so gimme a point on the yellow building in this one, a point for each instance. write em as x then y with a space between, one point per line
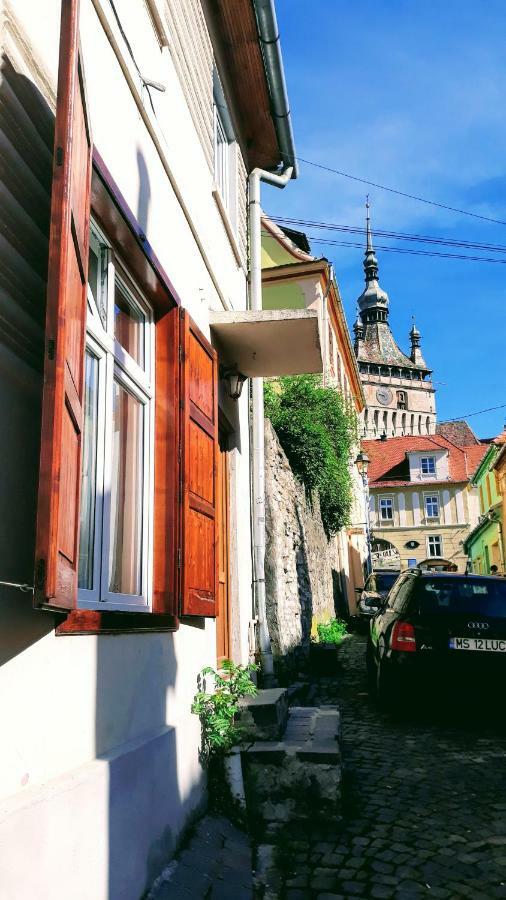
422 504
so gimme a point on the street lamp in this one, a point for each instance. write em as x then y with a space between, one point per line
362 463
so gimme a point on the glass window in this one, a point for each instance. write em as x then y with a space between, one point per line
221 158
386 580
432 506
469 595
117 457
435 545
386 506
125 546
428 464
129 322
89 473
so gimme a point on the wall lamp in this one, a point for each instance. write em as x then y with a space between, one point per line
234 379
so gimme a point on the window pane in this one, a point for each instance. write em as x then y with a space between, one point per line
88 474
128 325
93 274
126 493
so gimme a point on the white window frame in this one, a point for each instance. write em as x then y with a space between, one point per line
386 503
431 538
428 501
115 363
431 461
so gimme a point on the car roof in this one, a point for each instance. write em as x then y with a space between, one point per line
459 575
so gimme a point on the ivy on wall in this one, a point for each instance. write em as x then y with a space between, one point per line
317 429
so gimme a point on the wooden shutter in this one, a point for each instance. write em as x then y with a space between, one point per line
166 539
199 463
57 540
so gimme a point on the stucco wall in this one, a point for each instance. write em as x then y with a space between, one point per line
99 764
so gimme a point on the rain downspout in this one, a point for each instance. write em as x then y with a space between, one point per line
273 64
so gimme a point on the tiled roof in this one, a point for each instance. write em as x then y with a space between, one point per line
390 466
378 346
458 433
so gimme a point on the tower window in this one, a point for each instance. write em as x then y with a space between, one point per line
401 399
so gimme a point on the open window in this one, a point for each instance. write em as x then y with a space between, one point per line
126 525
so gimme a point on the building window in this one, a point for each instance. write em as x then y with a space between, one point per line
117 458
386 508
224 150
432 506
401 399
428 465
435 545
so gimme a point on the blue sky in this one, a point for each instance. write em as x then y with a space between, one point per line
409 95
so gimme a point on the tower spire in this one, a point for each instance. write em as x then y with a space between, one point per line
368 225
370 261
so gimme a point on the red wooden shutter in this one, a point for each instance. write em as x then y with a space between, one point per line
199 463
166 463
57 541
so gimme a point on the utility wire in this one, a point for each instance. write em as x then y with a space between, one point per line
398 235
390 190
430 253
478 413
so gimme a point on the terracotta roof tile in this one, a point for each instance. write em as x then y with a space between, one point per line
389 461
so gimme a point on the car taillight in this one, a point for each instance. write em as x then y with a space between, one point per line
403 637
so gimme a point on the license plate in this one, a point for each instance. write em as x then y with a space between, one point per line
488 644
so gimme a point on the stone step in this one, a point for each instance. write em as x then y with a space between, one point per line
296 780
312 733
264 716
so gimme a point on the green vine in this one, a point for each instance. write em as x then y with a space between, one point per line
217 709
317 429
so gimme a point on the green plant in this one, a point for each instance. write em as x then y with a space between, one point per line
317 428
217 709
332 632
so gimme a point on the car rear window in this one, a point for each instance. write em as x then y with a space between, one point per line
385 580
462 595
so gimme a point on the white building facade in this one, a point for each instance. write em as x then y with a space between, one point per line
115 419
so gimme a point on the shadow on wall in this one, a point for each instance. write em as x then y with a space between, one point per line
135 673
27 147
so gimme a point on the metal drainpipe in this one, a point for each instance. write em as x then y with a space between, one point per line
258 485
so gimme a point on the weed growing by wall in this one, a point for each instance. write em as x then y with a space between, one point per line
317 429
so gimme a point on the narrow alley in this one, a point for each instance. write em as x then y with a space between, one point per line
424 806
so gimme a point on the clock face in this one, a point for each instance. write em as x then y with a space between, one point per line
384 396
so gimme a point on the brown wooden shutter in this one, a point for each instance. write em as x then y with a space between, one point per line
166 464
199 460
57 541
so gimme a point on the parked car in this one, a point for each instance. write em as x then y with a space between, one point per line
375 591
437 627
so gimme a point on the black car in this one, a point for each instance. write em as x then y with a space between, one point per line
375 591
439 629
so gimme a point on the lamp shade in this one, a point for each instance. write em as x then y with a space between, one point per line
234 379
362 462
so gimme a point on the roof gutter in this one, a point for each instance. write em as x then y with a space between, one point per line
270 45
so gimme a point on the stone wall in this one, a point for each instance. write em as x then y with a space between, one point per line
300 563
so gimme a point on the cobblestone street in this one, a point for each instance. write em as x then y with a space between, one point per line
424 805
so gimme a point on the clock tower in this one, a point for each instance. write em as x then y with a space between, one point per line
400 397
